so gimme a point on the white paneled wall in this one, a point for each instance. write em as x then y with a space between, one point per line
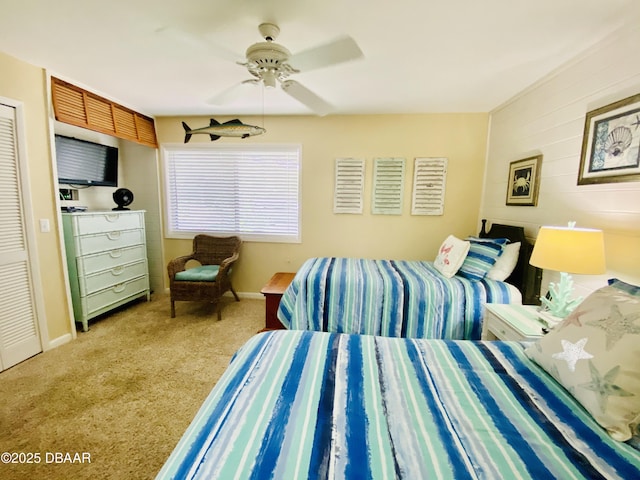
548 119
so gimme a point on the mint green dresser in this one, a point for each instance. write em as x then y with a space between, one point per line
106 261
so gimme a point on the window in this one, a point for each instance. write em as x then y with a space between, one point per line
248 190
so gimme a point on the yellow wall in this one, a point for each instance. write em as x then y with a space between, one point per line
460 137
25 83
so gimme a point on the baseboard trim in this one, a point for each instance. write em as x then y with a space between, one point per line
250 295
56 342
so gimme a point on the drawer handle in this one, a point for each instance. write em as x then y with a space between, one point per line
113 217
117 270
119 288
115 253
113 235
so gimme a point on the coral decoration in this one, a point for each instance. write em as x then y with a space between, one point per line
560 305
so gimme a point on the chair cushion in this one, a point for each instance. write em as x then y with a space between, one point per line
204 273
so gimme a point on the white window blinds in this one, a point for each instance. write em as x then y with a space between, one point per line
248 190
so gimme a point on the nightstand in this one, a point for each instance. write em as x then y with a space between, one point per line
272 292
511 322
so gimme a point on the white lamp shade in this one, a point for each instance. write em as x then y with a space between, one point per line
570 250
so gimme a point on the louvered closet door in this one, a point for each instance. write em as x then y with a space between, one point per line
19 336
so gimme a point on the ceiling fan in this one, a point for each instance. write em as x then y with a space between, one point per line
272 64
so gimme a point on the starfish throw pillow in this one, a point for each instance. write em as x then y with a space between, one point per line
595 354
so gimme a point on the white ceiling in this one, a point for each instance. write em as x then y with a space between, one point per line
171 57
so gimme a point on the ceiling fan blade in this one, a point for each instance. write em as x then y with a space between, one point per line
306 97
344 49
232 93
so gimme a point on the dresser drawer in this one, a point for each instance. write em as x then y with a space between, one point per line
113 258
87 224
511 322
104 298
107 278
108 241
505 332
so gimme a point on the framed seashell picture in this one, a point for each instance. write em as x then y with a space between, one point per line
611 143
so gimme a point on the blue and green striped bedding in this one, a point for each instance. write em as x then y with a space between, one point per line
393 298
302 404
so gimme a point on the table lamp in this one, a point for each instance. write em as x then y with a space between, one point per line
567 250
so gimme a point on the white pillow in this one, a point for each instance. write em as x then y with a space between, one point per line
505 263
451 254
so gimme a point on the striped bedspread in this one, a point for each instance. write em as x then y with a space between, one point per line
301 404
390 298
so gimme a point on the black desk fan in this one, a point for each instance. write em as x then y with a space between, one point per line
122 197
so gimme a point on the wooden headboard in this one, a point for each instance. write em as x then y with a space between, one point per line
525 277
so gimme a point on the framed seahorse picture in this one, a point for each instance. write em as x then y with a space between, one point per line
611 143
524 182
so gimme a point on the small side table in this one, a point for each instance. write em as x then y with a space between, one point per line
272 292
511 322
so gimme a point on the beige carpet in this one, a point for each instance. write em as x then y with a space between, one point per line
121 394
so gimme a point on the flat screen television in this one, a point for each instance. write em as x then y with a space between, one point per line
86 163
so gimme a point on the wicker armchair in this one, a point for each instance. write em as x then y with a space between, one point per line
203 283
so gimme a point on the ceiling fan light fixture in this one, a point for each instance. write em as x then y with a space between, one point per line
269 78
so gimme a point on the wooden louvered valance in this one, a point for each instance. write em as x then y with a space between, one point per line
79 107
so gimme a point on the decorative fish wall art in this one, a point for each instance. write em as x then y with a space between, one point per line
215 130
